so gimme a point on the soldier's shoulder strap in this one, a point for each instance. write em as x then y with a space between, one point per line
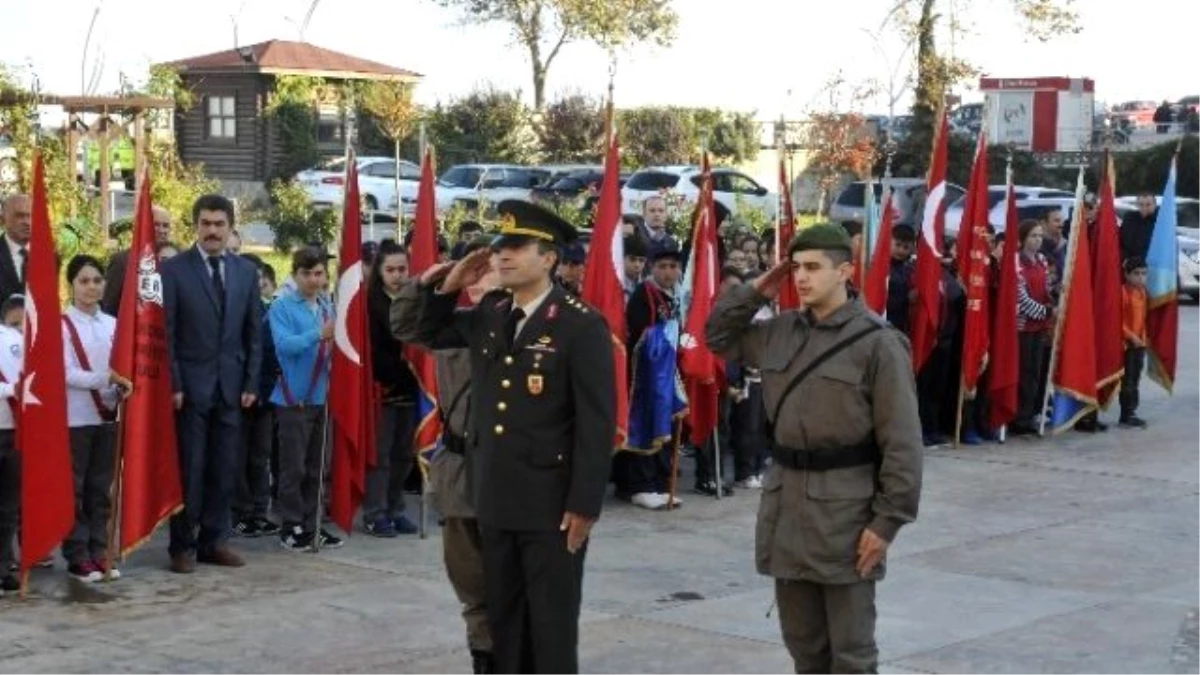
821 358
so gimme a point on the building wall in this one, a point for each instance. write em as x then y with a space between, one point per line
238 159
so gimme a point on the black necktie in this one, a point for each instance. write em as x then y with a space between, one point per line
510 324
24 253
218 284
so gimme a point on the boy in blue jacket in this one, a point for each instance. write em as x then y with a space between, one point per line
302 328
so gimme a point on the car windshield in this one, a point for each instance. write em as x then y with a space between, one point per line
853 194
568 183
652 181
461 177
1188 215
336 164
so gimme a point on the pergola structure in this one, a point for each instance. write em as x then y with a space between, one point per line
118 117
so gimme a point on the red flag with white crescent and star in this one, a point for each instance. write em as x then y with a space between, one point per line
352 384
47 483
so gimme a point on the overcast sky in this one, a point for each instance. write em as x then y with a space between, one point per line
738 54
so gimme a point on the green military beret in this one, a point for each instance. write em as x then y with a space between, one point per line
820 237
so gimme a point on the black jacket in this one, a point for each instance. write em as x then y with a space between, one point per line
543 411
1136 231
392 371
899 283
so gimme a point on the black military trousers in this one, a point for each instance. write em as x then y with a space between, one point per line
533 590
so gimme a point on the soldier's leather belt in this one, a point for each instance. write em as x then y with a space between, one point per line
826 460
454 443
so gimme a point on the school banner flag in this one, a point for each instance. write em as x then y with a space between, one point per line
1107 283
1004 350
151 490
1073 377
423 255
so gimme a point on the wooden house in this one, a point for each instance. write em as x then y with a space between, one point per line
227 129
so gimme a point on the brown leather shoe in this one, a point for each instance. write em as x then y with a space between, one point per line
182 563
221 555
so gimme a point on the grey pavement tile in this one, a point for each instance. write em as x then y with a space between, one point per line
1125 637
1079 556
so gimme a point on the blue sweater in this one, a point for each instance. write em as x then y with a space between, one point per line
296 331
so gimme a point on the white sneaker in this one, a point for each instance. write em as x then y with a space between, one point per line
668 499
649 500
751 483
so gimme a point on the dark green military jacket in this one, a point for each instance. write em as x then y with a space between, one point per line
809 523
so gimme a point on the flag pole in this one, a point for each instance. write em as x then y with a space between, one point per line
716 439
115 492
423 503
676 437
320 510
958 418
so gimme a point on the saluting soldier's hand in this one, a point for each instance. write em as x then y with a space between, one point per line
577 528
468 271
871 548
768 284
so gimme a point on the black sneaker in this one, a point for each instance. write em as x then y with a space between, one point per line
265 526
329 541
710 488
248 527
1133 422
295 539
9 584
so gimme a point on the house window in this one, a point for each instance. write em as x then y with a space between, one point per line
222 119
330 125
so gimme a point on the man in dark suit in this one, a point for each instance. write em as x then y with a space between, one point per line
540 435
18 216
213 321
114 276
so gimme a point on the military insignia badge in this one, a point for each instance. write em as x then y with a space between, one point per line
535 384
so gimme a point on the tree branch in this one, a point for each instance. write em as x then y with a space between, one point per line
562 39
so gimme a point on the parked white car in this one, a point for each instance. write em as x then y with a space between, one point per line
326 183
470 184
731 190
996 196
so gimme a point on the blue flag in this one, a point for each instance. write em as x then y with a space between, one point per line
657 395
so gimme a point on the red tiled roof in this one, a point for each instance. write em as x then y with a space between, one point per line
285 55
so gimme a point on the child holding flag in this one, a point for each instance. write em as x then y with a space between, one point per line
93 391
302 327
1133 311
11 345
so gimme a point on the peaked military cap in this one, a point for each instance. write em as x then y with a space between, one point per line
820 237
522 222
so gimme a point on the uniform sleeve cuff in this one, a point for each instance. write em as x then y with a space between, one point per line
885 528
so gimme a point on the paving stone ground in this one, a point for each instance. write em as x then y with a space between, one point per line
1076 554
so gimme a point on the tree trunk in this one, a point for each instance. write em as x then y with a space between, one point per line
539 86
930 87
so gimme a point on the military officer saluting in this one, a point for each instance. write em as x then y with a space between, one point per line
839 392
542 419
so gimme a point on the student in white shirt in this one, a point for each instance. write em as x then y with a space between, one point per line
93 392
11 344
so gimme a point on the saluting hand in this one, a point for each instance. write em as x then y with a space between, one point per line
435 274
577 528
768 284
468 271
871 548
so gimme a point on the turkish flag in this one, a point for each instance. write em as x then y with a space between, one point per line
150 489
927 280
875 289
788 297
422 256
47 483
1004 353
974 256
701 369
352 385
602 287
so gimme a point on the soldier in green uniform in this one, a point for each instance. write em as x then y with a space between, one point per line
539 434
846 470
